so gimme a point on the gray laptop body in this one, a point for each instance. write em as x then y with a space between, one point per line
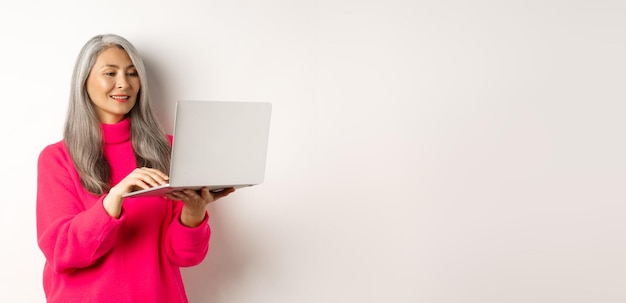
217 144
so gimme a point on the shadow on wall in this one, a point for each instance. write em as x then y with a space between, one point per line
162 105
222 270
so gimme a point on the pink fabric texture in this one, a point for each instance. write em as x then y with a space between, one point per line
91 257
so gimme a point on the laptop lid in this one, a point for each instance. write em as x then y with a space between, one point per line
217 144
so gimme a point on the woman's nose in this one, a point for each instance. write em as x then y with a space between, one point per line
122 82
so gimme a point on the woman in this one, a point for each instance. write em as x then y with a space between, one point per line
100 247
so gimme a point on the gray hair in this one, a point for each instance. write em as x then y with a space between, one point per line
83 132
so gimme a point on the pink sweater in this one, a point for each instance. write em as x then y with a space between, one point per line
91 257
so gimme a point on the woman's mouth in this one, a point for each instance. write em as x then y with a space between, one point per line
120 98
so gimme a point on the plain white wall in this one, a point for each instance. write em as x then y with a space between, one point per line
421 151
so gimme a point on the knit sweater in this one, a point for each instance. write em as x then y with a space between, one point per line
92 257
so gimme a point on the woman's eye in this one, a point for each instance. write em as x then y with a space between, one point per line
110 74
133 74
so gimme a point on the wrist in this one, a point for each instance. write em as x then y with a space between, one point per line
112 204
192 219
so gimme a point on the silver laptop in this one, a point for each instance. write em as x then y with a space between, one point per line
217 144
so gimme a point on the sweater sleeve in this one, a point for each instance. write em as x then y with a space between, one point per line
186 246
71 233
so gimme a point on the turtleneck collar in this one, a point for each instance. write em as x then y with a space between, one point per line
116 133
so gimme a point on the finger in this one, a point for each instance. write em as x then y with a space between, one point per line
148 176
148 180
171 196
191 193
205 193
159 173
141 184
154 170
155 174
223 193
177 195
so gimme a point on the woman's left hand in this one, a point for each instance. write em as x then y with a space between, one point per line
195 203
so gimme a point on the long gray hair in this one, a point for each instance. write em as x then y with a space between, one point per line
83 132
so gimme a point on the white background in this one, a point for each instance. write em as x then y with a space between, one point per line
421 151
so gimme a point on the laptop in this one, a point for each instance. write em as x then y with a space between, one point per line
216 144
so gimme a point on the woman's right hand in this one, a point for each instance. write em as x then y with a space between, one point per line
139 178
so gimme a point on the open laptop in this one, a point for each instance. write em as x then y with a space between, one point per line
217 144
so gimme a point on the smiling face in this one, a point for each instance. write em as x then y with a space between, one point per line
113 85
